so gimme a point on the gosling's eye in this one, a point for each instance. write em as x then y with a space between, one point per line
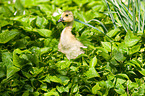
66 15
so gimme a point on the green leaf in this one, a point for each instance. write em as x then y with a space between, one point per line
63 64
114 62
26 93
8 35
120 81
2 72
16 60
43 86
53 92
80 2
124 76
75 88
26 74
91 73
131 39
104 55
96 88
36 93
18 5
60 88
134 49
29 3
120 91
109 84
5 22
142 71
43 32
6 11
118 55
11 71
29 88
93 62
41 22
46 9
47 78
36 71
136 62
7 59
107 46
102 49
44 50
55 79
65 80
113 32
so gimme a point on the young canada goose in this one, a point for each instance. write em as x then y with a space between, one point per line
68 44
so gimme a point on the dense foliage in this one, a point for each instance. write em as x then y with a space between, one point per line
113 64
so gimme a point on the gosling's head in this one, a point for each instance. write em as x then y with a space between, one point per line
66 16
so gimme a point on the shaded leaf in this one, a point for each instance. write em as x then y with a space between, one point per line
26 93
142 71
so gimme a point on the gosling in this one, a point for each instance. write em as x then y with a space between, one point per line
68 44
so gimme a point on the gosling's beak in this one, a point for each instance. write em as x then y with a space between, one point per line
60 20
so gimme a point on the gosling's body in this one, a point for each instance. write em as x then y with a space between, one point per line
68 44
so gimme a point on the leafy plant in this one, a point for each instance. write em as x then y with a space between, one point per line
113 63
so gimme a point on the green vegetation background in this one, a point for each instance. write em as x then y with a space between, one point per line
30 64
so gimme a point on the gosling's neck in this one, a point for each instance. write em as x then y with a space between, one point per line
68 27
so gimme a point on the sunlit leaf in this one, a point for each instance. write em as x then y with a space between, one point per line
131 39
96 88
7 59
122 76
92 73
55 79
107 46
113 32
134 49
44 32
8 35
41 22
118 55
93 62
51 93
11 71
75 89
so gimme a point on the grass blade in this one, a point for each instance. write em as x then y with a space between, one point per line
134 18
139 19
93 27
143 17
111 15
100 23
